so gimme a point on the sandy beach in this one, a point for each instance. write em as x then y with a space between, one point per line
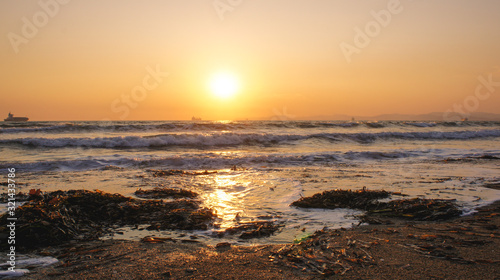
462 248
232 139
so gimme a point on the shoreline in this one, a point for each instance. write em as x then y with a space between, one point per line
462 248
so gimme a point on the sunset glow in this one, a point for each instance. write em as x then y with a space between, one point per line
224 85
253 139
327 60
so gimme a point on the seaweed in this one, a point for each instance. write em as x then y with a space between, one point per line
250 230
158 193
56 217
360 199
367 200
418 209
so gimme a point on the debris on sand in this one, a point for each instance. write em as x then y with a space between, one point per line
326 253
159 193
154 239
171 172
250 230
367 200
463 241
56 217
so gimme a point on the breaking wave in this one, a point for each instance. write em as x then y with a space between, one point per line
179 126
219 161
241 139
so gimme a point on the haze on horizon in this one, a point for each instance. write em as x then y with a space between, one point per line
153 60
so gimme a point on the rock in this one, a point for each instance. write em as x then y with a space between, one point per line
191 270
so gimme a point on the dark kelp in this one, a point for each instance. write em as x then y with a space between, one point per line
360 199
252 229
56 217
158 193
416 209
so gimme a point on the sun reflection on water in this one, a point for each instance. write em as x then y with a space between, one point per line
227 197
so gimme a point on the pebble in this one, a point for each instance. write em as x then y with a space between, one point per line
191 270
223 245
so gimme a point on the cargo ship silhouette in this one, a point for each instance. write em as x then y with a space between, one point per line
11 118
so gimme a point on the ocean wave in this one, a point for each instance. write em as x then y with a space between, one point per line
221 161
211 160
208 126
163 140
421 124
122 127
83 127
232 139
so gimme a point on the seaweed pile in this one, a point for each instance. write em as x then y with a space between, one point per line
250 230
367 200
326 253
158 193
360 199
56 217
418 209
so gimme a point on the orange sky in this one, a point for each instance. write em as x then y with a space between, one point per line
93 60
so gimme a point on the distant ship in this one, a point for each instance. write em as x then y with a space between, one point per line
195 119
11 118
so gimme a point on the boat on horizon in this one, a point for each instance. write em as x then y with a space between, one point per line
11 118
195 118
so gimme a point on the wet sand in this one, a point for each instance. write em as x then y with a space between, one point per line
463 248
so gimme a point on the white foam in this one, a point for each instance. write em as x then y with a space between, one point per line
15 273
421 124
237 139
42 261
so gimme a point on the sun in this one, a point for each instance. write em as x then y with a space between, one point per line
224 84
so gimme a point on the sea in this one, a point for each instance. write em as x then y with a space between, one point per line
262 166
